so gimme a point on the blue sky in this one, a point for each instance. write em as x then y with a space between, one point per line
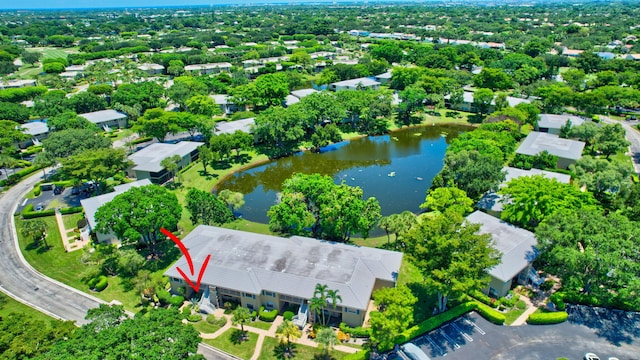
58 4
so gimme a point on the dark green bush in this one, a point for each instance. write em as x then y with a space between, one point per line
267 316
242 115
176 300
547 285
102 283
558 300
141 140
357 332
163 296
490 314
194 318
29 212
288 315
71 210
547 318
521 305
92 282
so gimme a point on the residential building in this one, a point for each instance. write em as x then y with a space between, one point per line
571 52
492 202
211 68
468 106
229 127
147 161
567 151
256 270
91 206
38 130
14 84
355 84
552 123
634 57
107 119
226 106
518 249
296 95
151 69
383 78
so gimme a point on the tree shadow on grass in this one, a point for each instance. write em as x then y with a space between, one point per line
221 165
323 356
208 175
168 253
43 249
237 337
281 352
427 300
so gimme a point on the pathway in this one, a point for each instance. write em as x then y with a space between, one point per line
271 332
531 308
68 242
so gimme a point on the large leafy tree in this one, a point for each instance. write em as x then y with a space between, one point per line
62 144
471 171
593 254
171 164
288 331
395 313
610 139
36 229
271 89
482 99
10 133
147 95
137 215
529 199
603 178
320 109
85 102
451 255
157 123
95 165
278 131
14 112
158 334
24 337
314 205
206 208
448 198
69 120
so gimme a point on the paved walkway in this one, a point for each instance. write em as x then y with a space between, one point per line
271 332
67 242
531 308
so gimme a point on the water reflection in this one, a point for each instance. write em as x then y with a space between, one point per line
397 169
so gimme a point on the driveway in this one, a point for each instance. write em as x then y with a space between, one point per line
472 337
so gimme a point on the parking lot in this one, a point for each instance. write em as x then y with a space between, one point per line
608 333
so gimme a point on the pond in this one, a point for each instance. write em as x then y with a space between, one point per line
397 169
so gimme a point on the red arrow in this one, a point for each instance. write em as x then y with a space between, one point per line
186 254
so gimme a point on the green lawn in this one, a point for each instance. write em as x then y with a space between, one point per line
409 273
461 117
49 53
272 350
205 327
512 315
14 306
67 267
71 221
260 324
227 341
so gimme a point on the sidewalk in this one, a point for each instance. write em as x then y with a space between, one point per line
68 245
531 308
271 332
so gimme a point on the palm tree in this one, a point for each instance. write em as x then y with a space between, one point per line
316 305
35 229
289 331
327 338
320 293
171 163
334 297
241 316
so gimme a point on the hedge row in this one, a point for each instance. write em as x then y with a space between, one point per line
176 300
71 210
267 316
194 317
15 178
490 314
29 212
547 318
357 332
141 140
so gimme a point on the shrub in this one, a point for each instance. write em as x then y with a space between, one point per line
356 332
547 318
102 283
71 210
163 296
547 285
141 140
558 299
480 296
521 305
254 315
288 315
186 311
435 321
490 314
37 191
92 282
194 317
29 212
176 300
242 115
268 316
210 319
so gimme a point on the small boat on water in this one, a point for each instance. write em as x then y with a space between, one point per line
391 174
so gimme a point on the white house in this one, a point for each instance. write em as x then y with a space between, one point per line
147 161
552 123
107 119
355 84
567 151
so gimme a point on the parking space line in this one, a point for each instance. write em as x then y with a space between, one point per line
444 335
466 336
442 351
25 201
469 322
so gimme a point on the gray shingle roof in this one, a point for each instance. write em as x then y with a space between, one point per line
365 82
35 128
230 127
516 245
537 142
251 263
91 205
303 92
553 121
149 158
101 116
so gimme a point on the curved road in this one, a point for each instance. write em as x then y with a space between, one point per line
23 283
633 136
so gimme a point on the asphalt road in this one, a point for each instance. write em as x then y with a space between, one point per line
20 281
